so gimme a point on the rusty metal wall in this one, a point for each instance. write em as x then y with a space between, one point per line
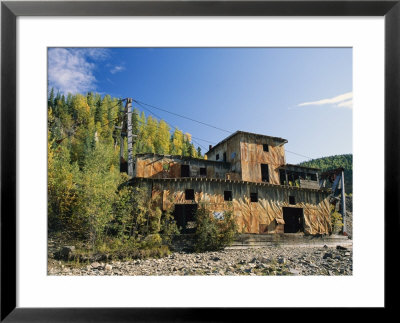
232 150
309 184
253 156
155 166
264 216
249 155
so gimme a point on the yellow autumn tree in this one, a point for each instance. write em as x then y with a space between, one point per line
177 142
163 138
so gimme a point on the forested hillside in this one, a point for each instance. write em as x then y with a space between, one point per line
83 170
332 162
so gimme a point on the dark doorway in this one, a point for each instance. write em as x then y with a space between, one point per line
282 177
264 173
185 171
184 215
293 218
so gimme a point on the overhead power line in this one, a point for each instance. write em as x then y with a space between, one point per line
152 112
298 154
78 124
194 120
210 142
143 104
182 116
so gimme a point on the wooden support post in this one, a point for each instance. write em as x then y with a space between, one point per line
121 142
130 137
343 203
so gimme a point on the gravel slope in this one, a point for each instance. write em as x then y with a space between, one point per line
251 261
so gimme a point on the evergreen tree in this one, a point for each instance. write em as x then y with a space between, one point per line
50 101
83 169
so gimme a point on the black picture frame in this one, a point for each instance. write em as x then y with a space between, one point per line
10 10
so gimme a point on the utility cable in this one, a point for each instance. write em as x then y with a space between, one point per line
147 109
298 154
182 116
78 124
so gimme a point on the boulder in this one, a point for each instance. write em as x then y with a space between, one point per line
65 253
95 265
281 260
265 260
294 271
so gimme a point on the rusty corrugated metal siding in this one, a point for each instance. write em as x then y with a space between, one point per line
233 156
253 156
309 184
240 172
264 216
245 153
159 166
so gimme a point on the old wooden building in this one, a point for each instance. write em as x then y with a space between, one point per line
246 173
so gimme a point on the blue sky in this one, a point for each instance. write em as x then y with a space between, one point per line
301 94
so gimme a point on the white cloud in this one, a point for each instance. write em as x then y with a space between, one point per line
70 69
117 69
340 101
346 104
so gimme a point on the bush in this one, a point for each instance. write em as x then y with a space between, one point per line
115 248
213 234
169 229
152 241
337 221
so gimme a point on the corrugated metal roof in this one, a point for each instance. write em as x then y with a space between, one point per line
247 133
298 166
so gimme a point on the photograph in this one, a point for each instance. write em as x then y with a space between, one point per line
199 161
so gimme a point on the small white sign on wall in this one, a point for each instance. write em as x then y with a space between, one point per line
219 215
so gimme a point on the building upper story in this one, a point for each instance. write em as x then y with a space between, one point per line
242 156
254 157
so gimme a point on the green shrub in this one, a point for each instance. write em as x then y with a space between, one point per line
169 229
337 221
152 241
213 234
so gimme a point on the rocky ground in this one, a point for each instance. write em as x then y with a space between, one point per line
251 261
349 216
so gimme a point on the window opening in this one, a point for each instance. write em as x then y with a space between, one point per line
185 172
189 194
227 195
264 173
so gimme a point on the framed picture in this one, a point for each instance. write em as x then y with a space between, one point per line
25 40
